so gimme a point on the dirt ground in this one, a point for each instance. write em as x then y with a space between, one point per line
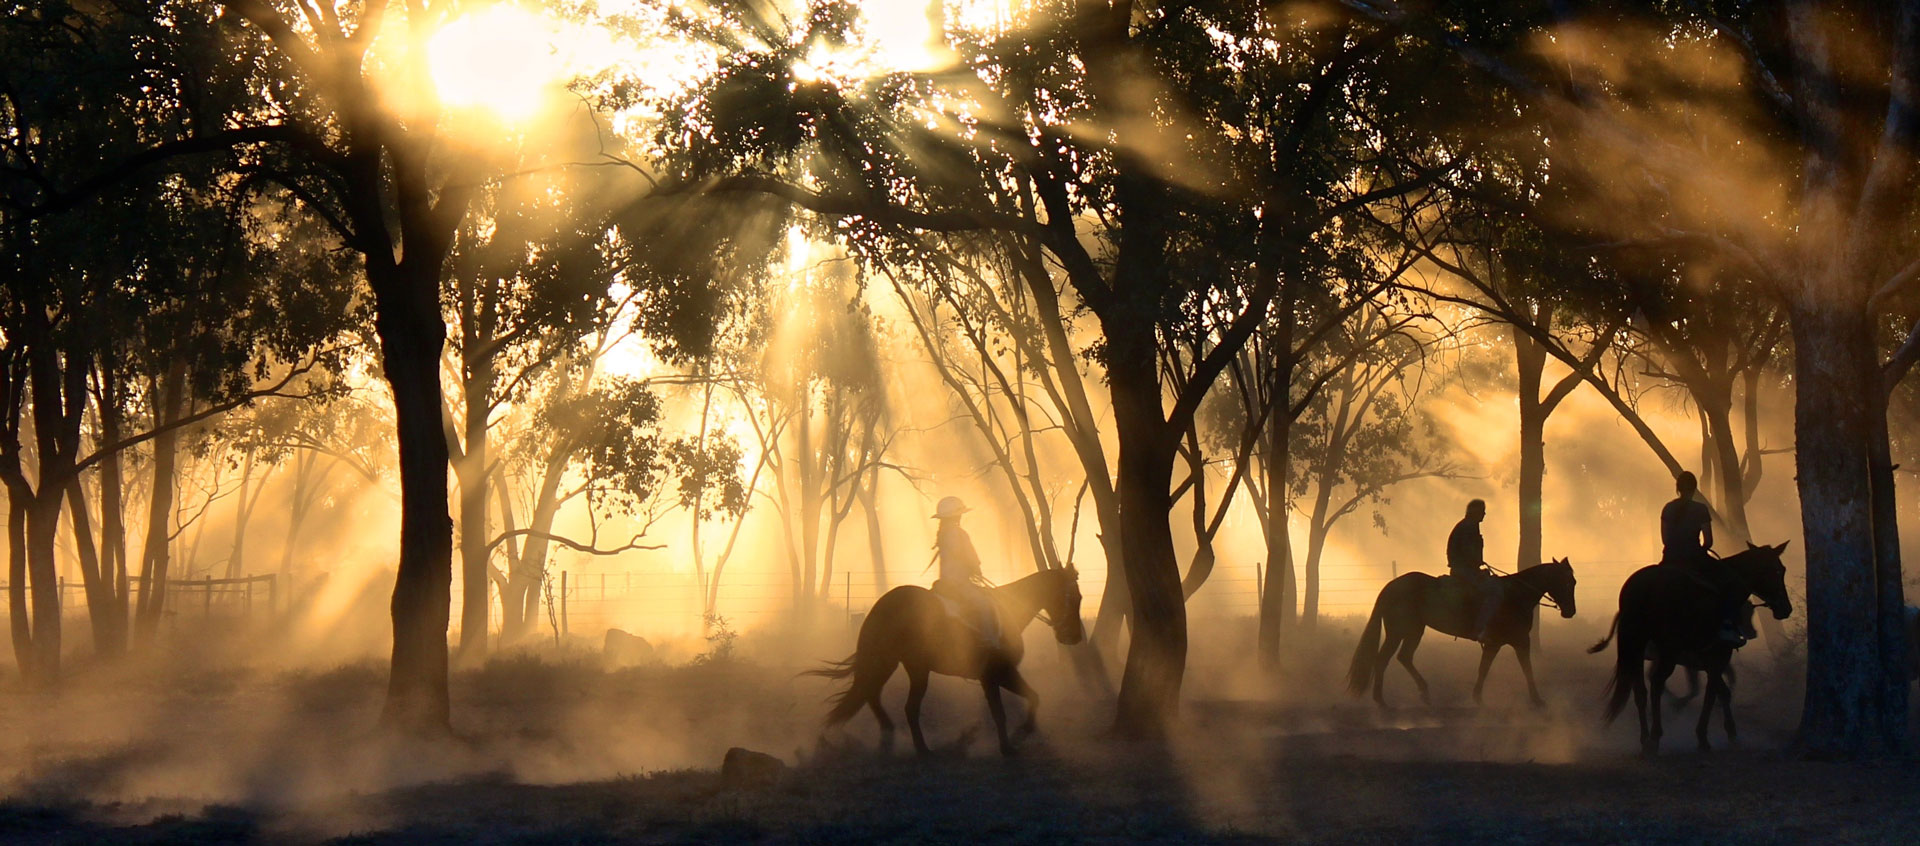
555 749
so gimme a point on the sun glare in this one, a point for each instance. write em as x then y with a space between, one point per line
502 61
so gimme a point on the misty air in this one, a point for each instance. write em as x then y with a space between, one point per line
959 421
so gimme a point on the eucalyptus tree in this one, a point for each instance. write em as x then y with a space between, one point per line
1122 141
528 285
1784 137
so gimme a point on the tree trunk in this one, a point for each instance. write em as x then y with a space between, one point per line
20 621
411 337
1531 361
876 545
473 474
93 582
43 527
1278 597
113 536
1156 660
1846 707
157 556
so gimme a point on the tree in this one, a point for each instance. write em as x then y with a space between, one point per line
1147 202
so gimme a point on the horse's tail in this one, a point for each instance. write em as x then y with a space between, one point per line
845 703
1626 669
1360 672
1602 645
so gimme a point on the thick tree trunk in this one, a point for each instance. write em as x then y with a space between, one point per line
113 529
1847 703
1157 658
411 337
43 528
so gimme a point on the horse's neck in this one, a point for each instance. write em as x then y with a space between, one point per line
1522 587
1024 598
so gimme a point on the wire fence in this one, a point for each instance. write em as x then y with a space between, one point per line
587 603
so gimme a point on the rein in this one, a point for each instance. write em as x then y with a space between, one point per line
1544 601
1039 612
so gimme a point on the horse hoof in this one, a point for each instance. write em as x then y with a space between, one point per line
1539 704
1705 746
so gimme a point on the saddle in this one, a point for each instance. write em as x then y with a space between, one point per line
968 615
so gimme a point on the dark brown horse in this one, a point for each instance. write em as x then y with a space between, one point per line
1411 604
912 626
1670 615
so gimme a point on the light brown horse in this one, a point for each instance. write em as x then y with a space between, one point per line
1411 604
912 626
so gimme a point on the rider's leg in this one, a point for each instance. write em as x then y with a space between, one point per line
1489 605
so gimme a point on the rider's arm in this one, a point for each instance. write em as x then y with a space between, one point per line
1706 535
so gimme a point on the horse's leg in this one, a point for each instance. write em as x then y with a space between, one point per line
1407 646
1388 643
1012 680
1638 684
916 692
1726 708
1656 684
991 684
1706 711
1523 652
1487 653
880 712
886 725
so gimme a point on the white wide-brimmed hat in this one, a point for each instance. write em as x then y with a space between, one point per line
950 507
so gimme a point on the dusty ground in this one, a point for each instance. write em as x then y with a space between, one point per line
557 750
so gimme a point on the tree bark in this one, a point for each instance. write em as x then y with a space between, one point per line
411 336
157 556
1156 661
1846 707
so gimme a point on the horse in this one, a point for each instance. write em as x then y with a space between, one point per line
1411 604
1669 615
912 626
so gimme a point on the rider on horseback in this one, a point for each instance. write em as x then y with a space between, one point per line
961 581
1686 539
1466 560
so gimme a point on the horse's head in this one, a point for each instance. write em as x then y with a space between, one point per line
1557 577
1766 577
1063 607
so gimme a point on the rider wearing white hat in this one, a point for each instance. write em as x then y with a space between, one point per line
960 578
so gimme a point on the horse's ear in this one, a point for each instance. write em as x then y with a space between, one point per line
1073 572
1783 546
1750 546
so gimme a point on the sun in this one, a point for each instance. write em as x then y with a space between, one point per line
502 61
